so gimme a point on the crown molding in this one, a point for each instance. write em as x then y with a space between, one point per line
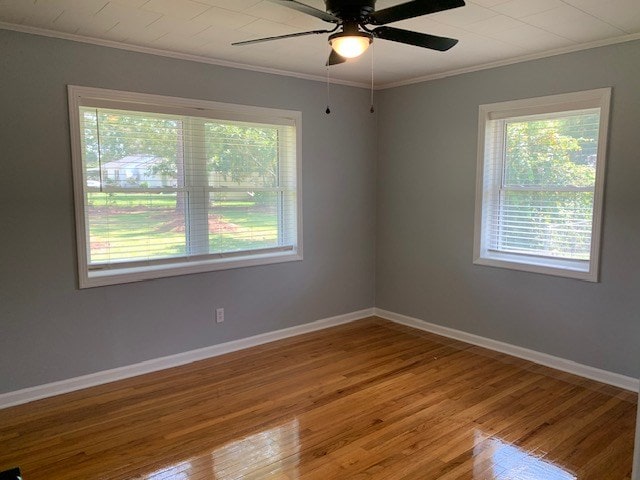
512 61
316 78
177 55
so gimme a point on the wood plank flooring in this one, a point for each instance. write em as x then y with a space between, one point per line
366 400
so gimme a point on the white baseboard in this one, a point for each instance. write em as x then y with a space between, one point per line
26 395
77 383
615 379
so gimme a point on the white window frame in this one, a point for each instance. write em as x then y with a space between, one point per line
555 104
79 96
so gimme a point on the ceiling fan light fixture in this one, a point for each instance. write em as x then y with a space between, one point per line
350 45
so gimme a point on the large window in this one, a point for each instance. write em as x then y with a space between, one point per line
540 183
166 186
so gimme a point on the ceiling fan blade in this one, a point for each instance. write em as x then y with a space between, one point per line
301 7
412 9
291 35
414 38
335 59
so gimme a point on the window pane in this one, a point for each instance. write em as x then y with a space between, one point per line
134 226
131 150
243 220
552 224
552 152
240 155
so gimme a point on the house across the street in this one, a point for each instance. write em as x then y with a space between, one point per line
136 171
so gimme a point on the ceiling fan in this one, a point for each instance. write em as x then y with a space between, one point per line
351 35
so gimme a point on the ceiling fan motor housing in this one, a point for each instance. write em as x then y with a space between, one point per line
351 9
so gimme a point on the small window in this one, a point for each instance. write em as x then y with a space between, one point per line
541 169
167 186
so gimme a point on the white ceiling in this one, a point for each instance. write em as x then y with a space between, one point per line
490 32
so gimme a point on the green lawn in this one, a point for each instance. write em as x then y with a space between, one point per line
136 226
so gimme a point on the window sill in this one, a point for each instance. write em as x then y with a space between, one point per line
580 270
115 276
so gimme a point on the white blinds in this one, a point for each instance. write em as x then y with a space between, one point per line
539 182
170 186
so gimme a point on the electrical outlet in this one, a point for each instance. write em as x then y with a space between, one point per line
219 315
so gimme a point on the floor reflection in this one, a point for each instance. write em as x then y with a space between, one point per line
180 471
273 452
495 459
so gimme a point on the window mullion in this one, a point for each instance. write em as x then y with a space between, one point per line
197 215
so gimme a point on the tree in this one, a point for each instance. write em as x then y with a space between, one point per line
238 152
109 136
548 152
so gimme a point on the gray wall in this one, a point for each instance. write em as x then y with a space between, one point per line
426 193
418 234
50 330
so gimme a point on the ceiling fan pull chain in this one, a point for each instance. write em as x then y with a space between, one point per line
328 110
372 109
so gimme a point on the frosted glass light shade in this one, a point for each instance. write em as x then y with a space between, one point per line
350 46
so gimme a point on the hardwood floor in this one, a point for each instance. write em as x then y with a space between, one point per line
366 400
